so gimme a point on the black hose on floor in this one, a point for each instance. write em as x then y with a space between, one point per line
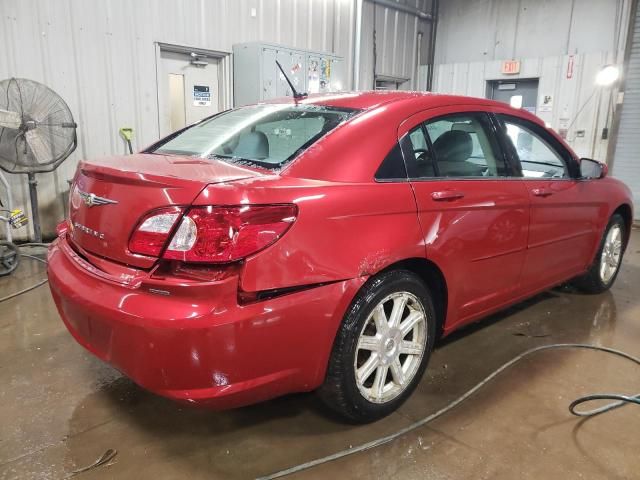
620 401
35 285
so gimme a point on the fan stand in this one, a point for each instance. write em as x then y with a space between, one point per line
38 149
35 212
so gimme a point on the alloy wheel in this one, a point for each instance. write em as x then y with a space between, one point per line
611 254
390 347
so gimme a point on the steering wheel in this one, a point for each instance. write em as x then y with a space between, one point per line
421 154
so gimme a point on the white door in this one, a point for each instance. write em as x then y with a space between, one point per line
188 90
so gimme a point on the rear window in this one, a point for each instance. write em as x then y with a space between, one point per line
264 135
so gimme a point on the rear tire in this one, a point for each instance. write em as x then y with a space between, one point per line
382 347
606 265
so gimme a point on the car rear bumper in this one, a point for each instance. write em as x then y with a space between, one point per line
197 344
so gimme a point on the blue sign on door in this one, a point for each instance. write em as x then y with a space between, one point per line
201 96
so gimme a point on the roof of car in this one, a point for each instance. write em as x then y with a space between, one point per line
365 100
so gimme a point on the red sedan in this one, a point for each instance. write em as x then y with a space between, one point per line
325 243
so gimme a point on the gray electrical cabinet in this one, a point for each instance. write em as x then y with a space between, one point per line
256 76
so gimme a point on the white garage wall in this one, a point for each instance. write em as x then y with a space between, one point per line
474 37
100 57
569 94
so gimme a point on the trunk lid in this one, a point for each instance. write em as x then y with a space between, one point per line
109 197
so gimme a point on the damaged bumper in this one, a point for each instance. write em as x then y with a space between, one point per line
197 344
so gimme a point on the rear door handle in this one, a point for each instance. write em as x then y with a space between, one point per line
542 192
447 195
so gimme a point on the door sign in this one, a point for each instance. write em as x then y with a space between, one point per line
201 96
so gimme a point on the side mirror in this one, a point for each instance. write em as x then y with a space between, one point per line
592 169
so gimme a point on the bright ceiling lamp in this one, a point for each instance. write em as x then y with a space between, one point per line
607 75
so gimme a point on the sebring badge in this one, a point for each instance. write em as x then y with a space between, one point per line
88 231
91 200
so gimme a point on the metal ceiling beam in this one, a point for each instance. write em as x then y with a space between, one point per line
401 7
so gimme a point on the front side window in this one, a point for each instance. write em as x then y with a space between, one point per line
537 158
268 136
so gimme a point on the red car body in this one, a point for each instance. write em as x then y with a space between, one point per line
242 332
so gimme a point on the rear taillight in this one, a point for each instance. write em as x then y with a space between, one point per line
227 234
211 234
62 228
153 232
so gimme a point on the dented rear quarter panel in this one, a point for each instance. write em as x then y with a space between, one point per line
343 230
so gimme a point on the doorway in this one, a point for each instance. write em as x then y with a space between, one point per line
384 82
517 93
191 86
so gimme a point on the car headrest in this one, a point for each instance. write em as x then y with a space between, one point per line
525 141
453 146
253 145
465 127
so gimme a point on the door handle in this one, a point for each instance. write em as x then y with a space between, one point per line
542 192
447 195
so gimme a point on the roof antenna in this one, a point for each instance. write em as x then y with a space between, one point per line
296 95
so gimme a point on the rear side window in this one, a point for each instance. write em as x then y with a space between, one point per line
392 167
464 146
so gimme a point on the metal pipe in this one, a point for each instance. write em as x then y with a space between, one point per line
404 8
596 129
435 6
356 45
416 77
35 213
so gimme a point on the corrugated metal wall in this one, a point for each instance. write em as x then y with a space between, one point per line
395 42
475 37
100 56
626 163
485 30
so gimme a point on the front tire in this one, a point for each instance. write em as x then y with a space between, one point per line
382 347
604 270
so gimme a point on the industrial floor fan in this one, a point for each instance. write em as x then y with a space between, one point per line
37 133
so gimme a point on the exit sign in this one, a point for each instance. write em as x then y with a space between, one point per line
510 67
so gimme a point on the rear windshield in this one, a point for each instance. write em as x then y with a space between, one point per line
264 135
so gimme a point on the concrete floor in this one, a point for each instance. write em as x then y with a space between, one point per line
60 408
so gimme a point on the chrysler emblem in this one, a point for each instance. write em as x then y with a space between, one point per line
92 200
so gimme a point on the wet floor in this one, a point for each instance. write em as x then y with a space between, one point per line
61 409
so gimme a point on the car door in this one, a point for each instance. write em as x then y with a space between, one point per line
472 208
563 218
